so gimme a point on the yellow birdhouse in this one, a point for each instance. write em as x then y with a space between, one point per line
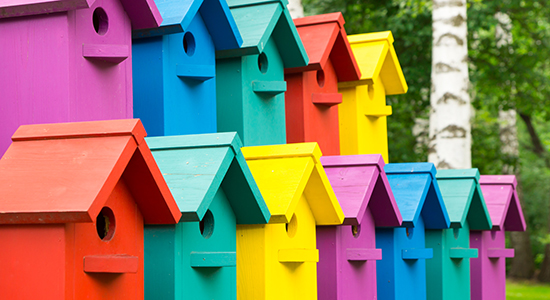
363 112
279 260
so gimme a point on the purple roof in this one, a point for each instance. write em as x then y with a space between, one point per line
502 202
359 181
142 13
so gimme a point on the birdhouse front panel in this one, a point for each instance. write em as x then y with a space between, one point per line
251 99
181 67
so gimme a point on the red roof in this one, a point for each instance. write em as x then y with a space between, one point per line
59 173
324 38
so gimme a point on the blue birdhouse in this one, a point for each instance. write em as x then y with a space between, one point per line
174 66
250 80
401 274
214 189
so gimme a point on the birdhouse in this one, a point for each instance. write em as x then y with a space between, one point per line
448 273
402 271
215 191
279 260
66 61
488 271
363 112
73 201
347 253
175 66
250 84
312 97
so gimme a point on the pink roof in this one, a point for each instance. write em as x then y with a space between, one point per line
502 202
359 181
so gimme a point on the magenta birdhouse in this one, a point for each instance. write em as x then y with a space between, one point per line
67 60
488 271
347 253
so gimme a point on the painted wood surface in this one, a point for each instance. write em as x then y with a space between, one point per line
74 65
250 80
448 273
74 209
488 271
402 271
347 253
312 96
363 112
278 260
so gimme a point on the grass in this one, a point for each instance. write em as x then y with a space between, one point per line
516 290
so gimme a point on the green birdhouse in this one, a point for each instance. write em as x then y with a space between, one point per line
448 272
250 80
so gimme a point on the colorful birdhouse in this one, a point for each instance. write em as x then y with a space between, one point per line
175 66
66 61
279 260
250 80
402 271
215 191
488 271
347 253
73 201
312 98
363 112
448 273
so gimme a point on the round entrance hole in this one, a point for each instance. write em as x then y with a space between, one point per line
356 230
105 224
206 225
262 63
292 227
410 232
189 43
100 21
321 78
456 232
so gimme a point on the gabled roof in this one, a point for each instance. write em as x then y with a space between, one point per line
258 20
325 38
417 194
285 172
178 14
502 202
142 13
463 198
359 181
60 173
196 166
376 56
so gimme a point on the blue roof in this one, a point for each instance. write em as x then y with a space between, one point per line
417 194
178 14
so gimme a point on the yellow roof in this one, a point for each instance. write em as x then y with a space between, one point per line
285 172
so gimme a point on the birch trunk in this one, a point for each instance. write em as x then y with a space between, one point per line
296 9
450 129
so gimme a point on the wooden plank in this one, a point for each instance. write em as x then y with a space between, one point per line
363 254
500 253
417 253
269 87
213 259
460 253
326 99
111 264
109 53
197 72
18 8
298 255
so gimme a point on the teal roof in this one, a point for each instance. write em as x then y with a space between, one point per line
463 198
196 166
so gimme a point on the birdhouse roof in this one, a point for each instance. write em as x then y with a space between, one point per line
359 181
502 202
464 199
62 173
196 166
376 57
258 21
178 14
286 172
142 13
325 38
417 194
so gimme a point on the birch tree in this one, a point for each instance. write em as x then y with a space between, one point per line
296 9
450 129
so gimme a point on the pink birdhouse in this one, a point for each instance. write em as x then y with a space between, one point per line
347 253
488 271
67 60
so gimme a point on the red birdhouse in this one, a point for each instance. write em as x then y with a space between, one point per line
73 201
312 91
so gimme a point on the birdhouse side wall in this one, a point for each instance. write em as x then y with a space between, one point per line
33 259
160 262
252 262
349 120
229 95
329 266
295 107
488 275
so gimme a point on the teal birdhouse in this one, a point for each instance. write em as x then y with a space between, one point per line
174 66
214 189
250 80
448 272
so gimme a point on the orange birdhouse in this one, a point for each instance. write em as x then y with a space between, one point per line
73 201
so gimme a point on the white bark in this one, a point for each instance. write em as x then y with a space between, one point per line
508 138
450 130
296 9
